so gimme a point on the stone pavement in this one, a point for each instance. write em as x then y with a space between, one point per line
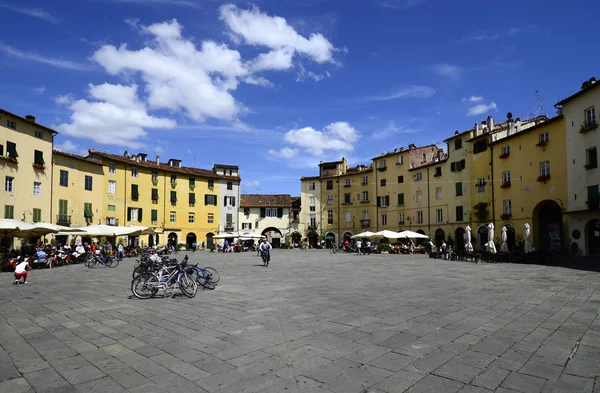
312 322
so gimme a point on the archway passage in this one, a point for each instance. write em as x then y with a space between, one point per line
296 239
440 237
347 236
420 242
329 239
313 239
511 237
273 235
172 239
592 237
547 227
190 239
209 239
459 239
482 236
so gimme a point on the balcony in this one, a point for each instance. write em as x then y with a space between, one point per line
401 222
587 126
365 183
591 165
505 185
541 144
593 203
313 227
229 226
365 222
111 221
382 168
347 185
505 216
504 155
63 219
543 178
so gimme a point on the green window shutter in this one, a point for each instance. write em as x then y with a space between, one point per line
592 192
401 199
192 198
379 201
87 210
387 200
37 215
155 194
7 211
280 212
233 201
128 214
459 189
134 191
192 181
347 198
262 212
173 196
63 207
11 149
154 215
211 183
140 214
205 199
459 213
214 199
38 157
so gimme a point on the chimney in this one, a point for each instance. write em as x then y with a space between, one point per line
518 125
157 160
490 123
30 118
126 154
511 127
476 129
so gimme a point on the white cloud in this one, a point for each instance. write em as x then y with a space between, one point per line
39 90
338 136
257 28
400 4
251 183
33 12
305 74
480 109
70 147
63 99
114 116
405 92
277 59
487 36
393 129
473 99
183 3
54 62
447 70
285 152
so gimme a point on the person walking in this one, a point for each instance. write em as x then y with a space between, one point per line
358 246
21 272
121 251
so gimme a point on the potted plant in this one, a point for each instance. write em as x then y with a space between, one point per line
154 182
478 258
453 256
12 159
504 155
543 178
38 166
192 187
505 185
505 216
173 184
541 143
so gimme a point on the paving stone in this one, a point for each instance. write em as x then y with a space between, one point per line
17 385
392 361
8 371
47 380
583 368
457 371
429 363
474 389
104 385
523 383
491 378
432 383
399 381
542 370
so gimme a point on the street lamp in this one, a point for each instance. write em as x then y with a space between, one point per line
26 211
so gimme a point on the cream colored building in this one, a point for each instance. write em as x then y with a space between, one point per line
267 214
580 111
25 168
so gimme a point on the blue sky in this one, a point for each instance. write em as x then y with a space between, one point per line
275 86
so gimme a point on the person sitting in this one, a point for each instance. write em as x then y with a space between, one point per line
42 257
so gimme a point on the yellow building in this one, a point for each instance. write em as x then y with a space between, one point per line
77 190
25 167
530 184
181 202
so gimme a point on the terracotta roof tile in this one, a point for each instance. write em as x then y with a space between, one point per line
266 200
77 157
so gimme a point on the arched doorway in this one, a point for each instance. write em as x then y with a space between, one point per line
151 241
296 239
347 236
273 235
190 239
547 227
482 236
313 239
209 240
420 242
592 237
329 239
440 237
459 239
511 237
172 239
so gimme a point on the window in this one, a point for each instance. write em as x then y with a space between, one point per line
438 171
459 189
382 182
382 164
132 214
271 212
37 188
439 215
11 150
365 214
9 211
112 208
365 196
592 158
311 186
401 198
173 198
383 201
9 184
329 216
365 180
507 207
311 203
173 179
154 176
459 213
480 146
458 166
246 211
192 199
438 193
347 182
330 184
37 215
210 200
545 168
330 199
38 158
400 160
154 215
134 172
229 201
210 218
593 195
38 134
135 194
211 184
590 116
481 184
88 212
419 176
112 167
506 150
313 220
400 218
246 225
87 183
544 137
112 187
419 196
506 177
384 219
400 179
173 217
230 185
419 217
11 124
348 217
1 150
229 218
154 194
64 178
458 144
191 218
347 198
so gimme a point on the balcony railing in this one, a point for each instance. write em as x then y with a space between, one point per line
382 168
229 226
365 222
63 219
588 125
313 227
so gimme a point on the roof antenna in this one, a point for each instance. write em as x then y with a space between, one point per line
539 100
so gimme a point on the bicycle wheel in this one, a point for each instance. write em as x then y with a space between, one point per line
144 286
139 270
214 274
205 281
112 262
187 285
91 262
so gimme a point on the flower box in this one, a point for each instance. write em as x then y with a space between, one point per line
504 155
505 216
541 143
481 184
38 166
155 182
505 185
11 159
192 186
173 184
543 179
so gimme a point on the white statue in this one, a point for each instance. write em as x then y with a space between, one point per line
528 246
468 245
504 246
491 246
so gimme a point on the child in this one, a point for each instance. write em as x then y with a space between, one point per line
21 271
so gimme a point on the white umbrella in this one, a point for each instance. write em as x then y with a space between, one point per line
362 235
14 228
412 235
491 245
44 228
388 234
141 230
468 245
504 246
226 235
105 230
249 235
528 247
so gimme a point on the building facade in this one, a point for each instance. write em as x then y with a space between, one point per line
25 168
229 196
268 215
580 113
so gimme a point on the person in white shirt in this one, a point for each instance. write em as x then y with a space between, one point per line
266 248
21 272
358 246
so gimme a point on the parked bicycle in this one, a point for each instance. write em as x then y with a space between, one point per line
171 276
207 276
101 258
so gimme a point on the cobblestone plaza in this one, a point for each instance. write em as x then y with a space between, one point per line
311 322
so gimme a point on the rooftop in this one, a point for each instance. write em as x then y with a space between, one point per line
28 119
266 200
588 85
77 157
